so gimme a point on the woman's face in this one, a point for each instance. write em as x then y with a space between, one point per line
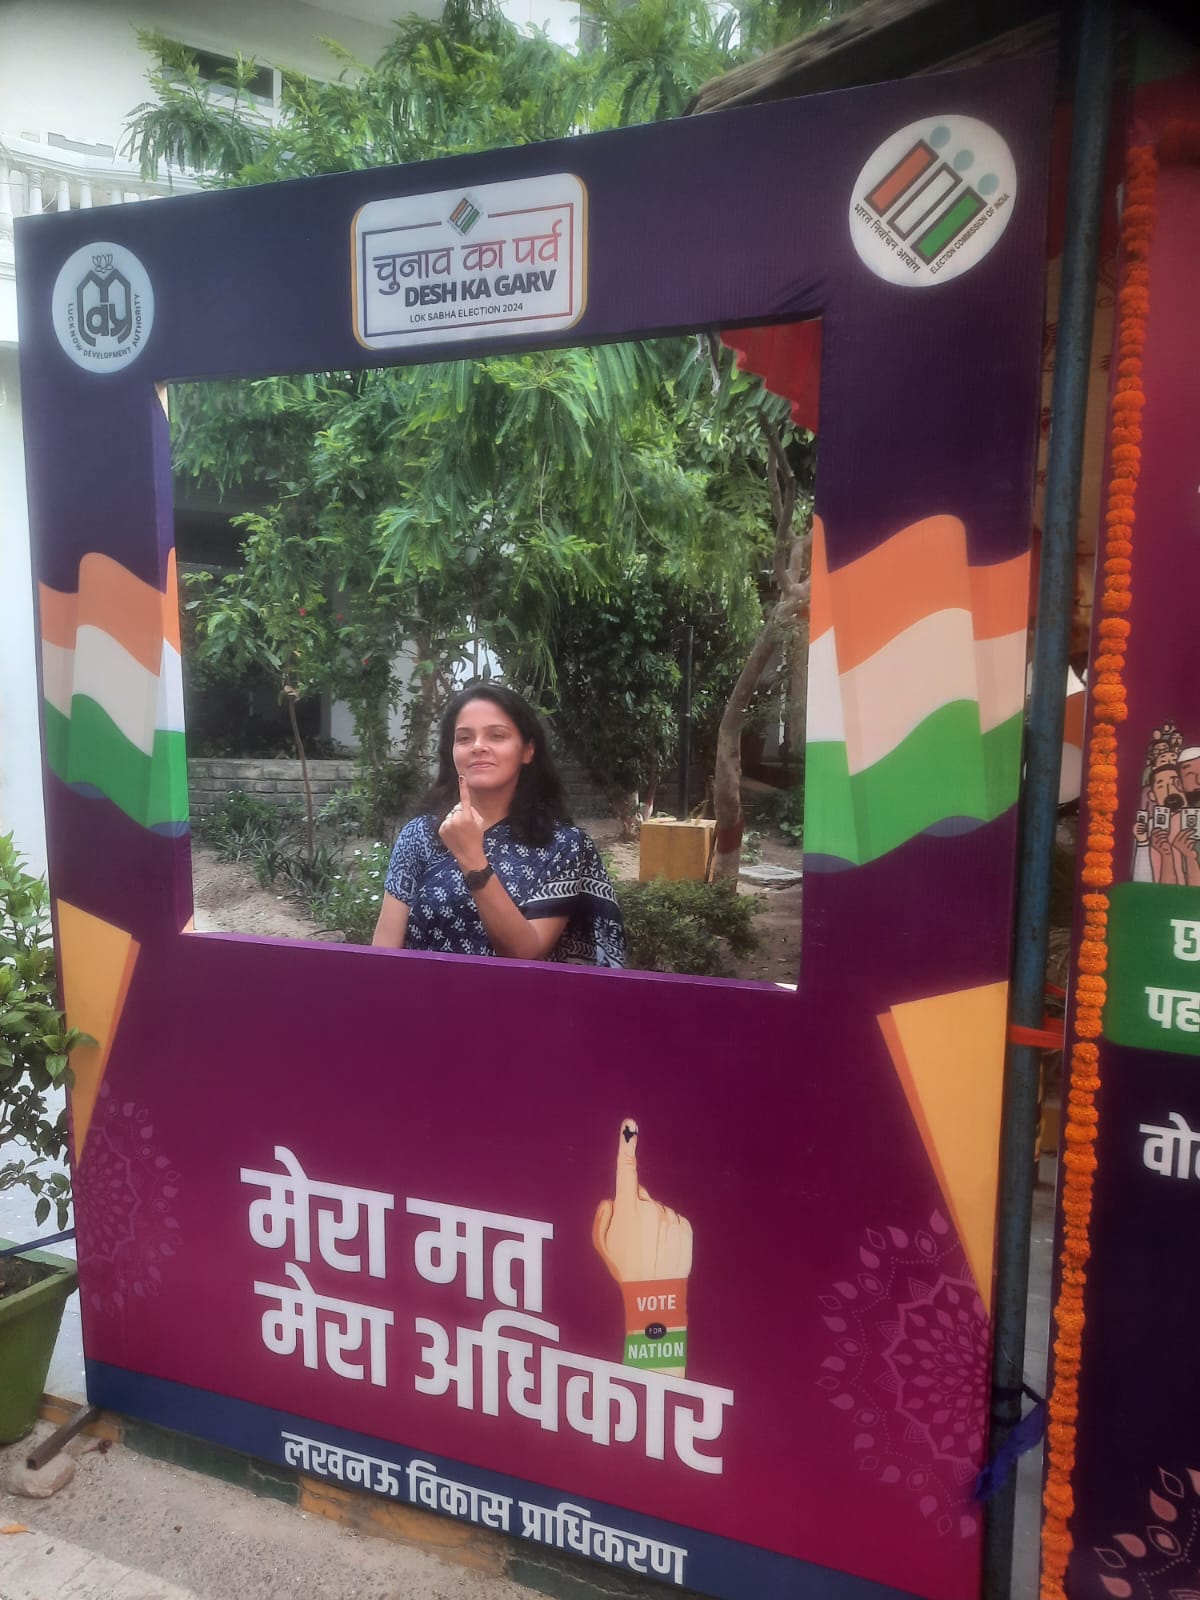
488 749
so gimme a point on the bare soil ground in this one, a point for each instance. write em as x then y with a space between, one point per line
229 899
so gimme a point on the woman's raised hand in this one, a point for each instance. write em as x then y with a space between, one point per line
462 831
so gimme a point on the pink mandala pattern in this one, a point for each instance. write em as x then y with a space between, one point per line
1161 1560
910 1367
124 1202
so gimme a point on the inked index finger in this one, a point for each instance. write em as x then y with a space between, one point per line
626 1192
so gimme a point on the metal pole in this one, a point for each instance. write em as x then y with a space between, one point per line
685 723
1096 31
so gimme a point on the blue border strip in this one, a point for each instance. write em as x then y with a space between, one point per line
724 1568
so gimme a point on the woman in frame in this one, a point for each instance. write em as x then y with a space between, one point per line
493 865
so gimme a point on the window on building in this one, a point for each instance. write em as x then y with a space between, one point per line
217 70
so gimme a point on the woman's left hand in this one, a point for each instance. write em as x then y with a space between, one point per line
462 832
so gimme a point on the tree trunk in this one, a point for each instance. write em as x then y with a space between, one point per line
797 693
422 708
647 809
790 564
289 694
727 782
624 805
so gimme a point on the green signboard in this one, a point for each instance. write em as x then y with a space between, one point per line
1154 969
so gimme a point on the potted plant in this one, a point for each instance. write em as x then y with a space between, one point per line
34 1046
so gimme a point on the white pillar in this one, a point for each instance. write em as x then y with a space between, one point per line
20 747
85 194
62 199
33 205
6 215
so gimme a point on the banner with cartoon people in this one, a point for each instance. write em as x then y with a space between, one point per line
689 1277
1123 1478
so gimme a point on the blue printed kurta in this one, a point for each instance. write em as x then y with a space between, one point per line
564 878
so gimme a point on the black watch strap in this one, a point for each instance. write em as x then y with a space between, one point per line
476 880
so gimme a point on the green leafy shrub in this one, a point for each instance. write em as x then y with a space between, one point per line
386 794
305 877
791 821
752 847
34 1038
343 814
686 927
349 902
242 827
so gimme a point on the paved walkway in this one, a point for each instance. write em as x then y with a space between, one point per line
36 1566
129 1528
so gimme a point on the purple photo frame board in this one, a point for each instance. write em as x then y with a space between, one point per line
825 1437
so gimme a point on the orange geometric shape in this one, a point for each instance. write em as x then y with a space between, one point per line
109 598
97 962
918 571
948 1051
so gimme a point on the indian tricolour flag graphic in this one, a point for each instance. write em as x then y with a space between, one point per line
112 688
916 690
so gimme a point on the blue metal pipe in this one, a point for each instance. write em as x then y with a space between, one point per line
1095 23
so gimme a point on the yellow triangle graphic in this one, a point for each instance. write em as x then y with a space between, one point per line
949 1054
97 962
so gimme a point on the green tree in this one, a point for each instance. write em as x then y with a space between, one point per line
34 1040
268 614
619 679
502 500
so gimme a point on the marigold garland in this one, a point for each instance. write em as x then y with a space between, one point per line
1108 709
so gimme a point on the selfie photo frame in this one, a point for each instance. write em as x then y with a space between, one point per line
367 1213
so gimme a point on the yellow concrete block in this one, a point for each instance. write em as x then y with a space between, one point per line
107 1426
322 1499
452 1540
675 850
1050 1128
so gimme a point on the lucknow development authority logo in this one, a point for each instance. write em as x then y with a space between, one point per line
933 200
103 307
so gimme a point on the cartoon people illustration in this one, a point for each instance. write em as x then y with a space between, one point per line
1167 826
648 1249
1189 774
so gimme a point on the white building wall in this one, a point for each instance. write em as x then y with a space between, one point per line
73 69
20 760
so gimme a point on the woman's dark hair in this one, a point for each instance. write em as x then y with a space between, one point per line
540 800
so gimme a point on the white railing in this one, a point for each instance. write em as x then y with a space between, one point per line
37 177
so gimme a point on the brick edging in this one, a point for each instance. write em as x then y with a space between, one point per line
537 1567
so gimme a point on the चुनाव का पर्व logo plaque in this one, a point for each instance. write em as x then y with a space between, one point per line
933 200
477 263
102 307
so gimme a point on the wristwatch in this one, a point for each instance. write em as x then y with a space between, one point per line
476 880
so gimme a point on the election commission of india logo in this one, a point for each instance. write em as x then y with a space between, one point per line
933 200
103 307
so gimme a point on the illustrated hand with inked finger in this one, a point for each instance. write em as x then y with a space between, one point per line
648 1249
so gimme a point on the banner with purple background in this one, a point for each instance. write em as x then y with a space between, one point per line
434 1297
1136 1480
